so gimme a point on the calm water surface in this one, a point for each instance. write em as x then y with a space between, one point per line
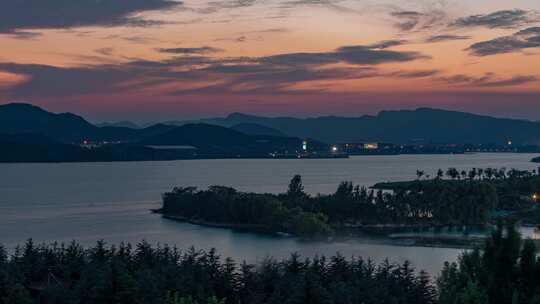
91 201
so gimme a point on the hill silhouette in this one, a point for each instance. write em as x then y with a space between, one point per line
201 136
30 133
213 139
121 124
17 118
256 129
423 125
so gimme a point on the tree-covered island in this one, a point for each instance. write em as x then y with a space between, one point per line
449 199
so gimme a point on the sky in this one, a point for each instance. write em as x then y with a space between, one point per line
151 60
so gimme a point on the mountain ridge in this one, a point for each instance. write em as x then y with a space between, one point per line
17 118
422 126
256 129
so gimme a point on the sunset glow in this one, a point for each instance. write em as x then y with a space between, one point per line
148 60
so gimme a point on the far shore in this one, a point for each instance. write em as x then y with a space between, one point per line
225 157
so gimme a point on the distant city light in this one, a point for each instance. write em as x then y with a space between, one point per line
371 146
535 196
334 148
509 142
304 145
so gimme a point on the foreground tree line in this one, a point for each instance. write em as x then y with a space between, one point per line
505 271
462 199
57 274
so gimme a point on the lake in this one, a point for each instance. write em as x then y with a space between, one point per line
111 201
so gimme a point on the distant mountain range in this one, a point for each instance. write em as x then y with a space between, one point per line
202 136
423 125
255 129
31 134
212 139
19 118
121 124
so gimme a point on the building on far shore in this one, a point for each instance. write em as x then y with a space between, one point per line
371 146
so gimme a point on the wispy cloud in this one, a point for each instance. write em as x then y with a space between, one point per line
513 81
500 19
489 80
413 74
104 51
243 74
388 44
357 54
22 35
524 39
418 21
436 18
190 51
136 39
39 14
448 37
216 6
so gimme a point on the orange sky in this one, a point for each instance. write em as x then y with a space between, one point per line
161 60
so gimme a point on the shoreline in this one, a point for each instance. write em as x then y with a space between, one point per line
534 160
403 239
